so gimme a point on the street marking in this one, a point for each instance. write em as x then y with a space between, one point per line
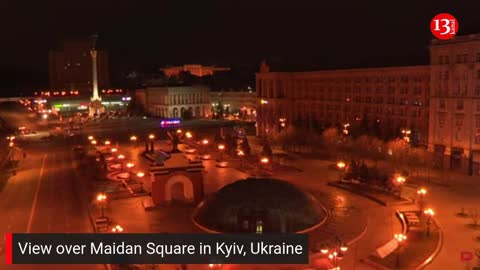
34 204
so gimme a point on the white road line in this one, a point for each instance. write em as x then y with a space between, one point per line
34 204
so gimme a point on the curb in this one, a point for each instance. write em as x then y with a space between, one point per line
334 184
437 249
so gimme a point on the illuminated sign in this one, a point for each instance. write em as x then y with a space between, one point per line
170 122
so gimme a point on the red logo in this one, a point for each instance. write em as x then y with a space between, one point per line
444 26
466 256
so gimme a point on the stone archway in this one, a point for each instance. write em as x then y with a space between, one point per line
175 112
182 112
176 185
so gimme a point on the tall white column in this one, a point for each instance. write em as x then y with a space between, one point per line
95 95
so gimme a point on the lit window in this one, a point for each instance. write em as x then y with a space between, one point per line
259 227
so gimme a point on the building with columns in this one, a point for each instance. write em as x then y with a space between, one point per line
454 126
390 99
175 101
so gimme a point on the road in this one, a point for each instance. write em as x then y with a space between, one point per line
43 197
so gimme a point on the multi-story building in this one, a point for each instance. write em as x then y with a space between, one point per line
240 103
387 99
454 126
175 101
71 67
194 69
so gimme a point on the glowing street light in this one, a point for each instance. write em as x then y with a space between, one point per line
101 199
401 238
117 229
90 138
429 213
140 174
94 142
205 142
179 131
107 142
341 165
121 157
130 165
421 194
11 144
114 150
221 147
264 160
133 138
188 134
151 136
400 180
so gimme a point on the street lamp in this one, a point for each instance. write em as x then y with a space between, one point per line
133 138
188 134
421 194
241 154
400 180
113 150
179 131
341 166
151 136
90 138
93 142
129 167
101 199
401 238
429 213
221 147
121 158
117 229
337 253
107 142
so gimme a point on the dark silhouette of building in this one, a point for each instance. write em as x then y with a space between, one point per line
70 68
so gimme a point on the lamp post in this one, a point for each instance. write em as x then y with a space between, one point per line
341 166
204 143
151 138
107 143
113 150
90 138
421 198
101 200
401 238
429 213
400 180
241 154
117 229
130 166
140 175
264 161
93 142
221 147
337 253
133 139
121 158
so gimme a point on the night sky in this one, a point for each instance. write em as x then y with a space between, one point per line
144 35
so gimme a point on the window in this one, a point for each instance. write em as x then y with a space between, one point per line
459 104
259 227
441 120
459 121
441 104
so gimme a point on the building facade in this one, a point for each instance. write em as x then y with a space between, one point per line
175 101
454 126
196 70
71 67
387 99
241 104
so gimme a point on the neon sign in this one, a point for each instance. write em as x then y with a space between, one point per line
170 122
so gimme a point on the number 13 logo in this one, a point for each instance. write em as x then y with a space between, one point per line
444 26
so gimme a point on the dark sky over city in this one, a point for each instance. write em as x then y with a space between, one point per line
150 34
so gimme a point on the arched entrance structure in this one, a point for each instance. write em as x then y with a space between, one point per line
177 180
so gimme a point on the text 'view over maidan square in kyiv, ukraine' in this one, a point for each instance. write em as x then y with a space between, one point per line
240 135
